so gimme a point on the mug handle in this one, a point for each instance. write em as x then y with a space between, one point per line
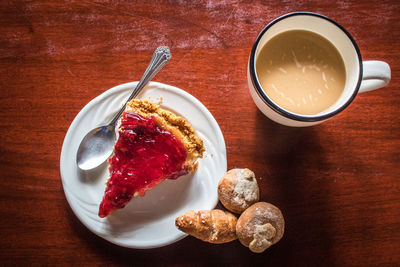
376 74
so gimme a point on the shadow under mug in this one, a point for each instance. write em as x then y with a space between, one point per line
361 76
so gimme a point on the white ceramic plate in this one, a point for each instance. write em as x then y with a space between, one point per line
149 221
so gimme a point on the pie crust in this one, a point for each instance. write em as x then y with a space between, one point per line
175 124
153 145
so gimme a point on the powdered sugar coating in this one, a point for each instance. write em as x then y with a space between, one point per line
246 188
262 237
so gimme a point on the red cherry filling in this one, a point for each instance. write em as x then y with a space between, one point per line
144 155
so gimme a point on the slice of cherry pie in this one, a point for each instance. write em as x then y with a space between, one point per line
153 145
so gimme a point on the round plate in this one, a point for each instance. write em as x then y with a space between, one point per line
149 221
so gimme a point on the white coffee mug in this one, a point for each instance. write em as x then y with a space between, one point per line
361 76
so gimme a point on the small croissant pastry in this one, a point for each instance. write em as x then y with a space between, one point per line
214 226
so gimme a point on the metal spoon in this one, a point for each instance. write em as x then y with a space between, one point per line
97 146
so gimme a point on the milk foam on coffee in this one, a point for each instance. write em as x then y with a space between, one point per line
301 72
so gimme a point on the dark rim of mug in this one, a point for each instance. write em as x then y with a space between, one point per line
280 110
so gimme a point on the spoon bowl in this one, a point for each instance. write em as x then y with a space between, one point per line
96 147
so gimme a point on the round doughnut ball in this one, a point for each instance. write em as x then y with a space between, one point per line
238 190
260 226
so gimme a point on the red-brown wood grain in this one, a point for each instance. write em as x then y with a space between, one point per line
337 184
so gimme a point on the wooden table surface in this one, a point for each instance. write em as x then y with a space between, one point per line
337 184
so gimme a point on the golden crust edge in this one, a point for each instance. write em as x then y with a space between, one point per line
173 123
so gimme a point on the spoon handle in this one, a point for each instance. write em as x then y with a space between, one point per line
160 57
